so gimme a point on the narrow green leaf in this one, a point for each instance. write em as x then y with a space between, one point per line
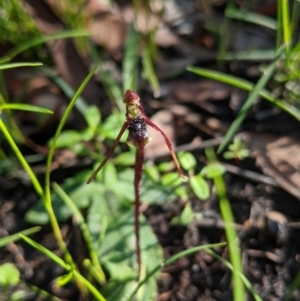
248 86
18 65
40 40
80 104
130 61
46 252
186 216
58 131
65 266
14 237
251 17
171 260
24 107
149 72
250 100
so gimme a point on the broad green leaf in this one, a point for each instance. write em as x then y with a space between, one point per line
9 275
182 192
117 250
125 159
213 170
200 187
187 160
170 179
111 127
185 217
67 138
92 116
165 166
152 172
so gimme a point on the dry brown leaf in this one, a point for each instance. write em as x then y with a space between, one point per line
278 157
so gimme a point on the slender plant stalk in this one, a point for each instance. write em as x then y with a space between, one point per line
65 266
47 199
138 169
38 188
230 232
99 275
136 121
171 260
286 23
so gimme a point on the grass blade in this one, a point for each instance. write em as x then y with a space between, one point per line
130 61
98 272
251 17
40 40
248 86
247 283
250 100
47 252
18 65
59 129
36 184
80 104
65 266
171 260
230 232
24 107
14 237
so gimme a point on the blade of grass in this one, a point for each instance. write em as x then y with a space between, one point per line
18 65
171 260
130 61
65 266
47 198
293 287
230 232
251 17
148 55
250 100
248 86
98 272
295 16
38 188
80 104
14 237
286 23
24 107
247 283
58 131
224 37
257 55
40 40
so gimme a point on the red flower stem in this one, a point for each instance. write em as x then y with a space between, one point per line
168 143
124 127
138 169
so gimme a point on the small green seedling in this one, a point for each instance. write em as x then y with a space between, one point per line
237 150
